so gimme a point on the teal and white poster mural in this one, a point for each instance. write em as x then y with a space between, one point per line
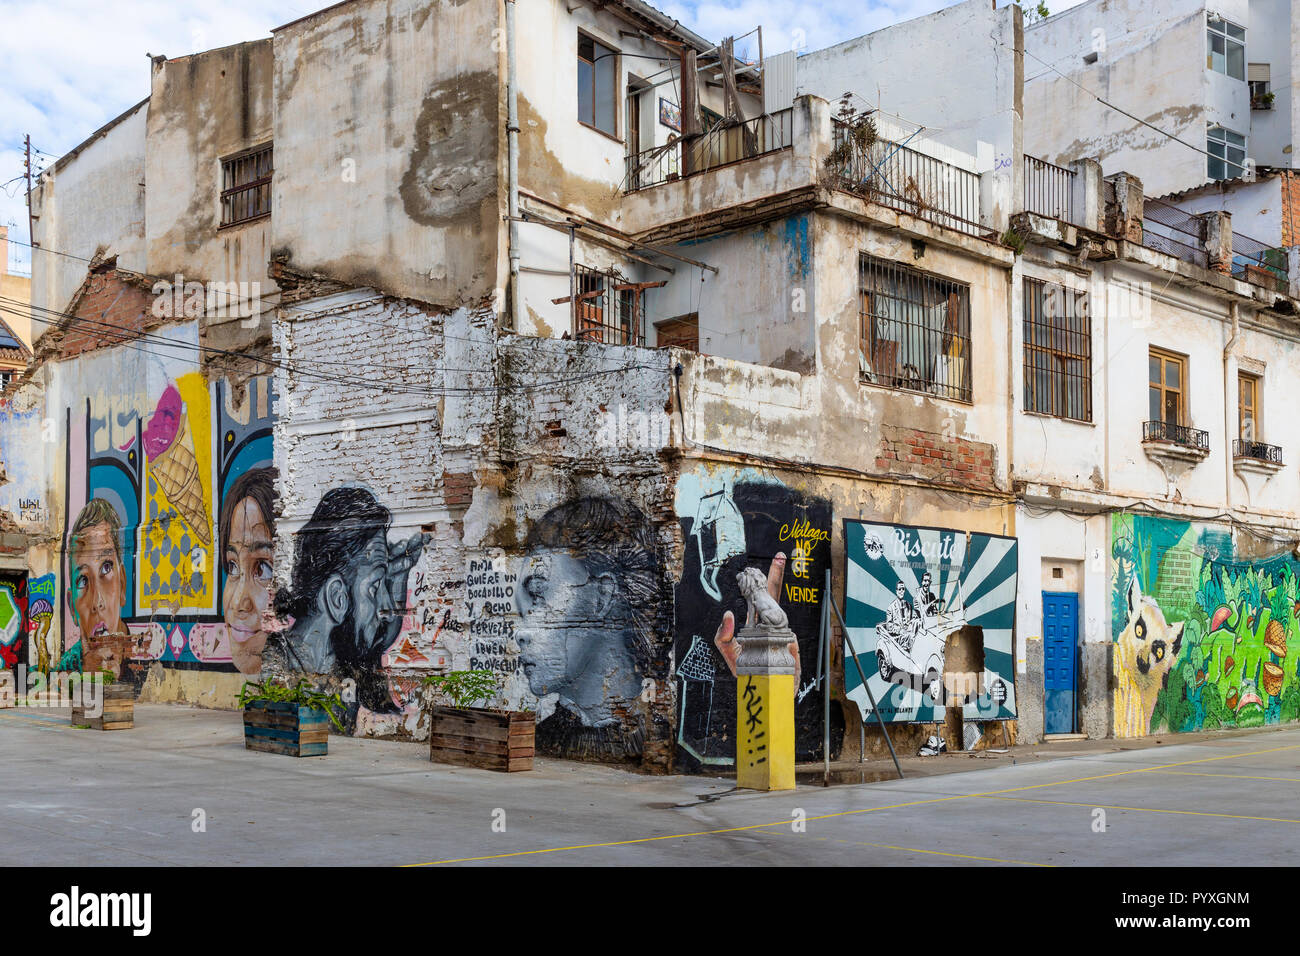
908 590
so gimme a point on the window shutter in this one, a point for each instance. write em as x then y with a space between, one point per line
1259 72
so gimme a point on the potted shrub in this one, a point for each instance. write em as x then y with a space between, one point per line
476 736
280 719
117 705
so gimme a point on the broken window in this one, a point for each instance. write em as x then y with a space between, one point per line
682 332
597 85
1227 159
246 186
1058 351
1225 47
914 330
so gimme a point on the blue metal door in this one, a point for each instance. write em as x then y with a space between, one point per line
1060 653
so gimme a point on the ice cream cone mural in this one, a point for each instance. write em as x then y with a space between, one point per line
169 447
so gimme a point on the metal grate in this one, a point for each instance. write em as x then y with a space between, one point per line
1178 434
1170 230
722 145
606 309
1257 450
1058 351
1259 264
890 174
1049 189
246 186
914 330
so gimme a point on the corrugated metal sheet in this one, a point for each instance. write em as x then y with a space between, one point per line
778 81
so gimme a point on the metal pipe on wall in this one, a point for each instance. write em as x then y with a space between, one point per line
512 172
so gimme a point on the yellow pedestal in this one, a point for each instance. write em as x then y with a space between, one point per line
765 732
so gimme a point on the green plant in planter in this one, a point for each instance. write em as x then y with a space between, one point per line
302 694
463 688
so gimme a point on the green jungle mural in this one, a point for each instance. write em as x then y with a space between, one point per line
1203 639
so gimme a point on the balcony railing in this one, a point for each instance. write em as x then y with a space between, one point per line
1183 435
1049 189
1257 450
1170 230
720 146
1259 264
909 181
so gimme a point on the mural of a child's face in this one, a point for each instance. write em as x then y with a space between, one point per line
563 634
248 567
98 589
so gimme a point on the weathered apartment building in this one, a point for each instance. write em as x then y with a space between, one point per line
495 335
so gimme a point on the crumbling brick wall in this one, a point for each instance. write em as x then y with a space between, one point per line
944 459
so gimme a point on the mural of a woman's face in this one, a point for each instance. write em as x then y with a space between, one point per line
98 593
563 633
248 565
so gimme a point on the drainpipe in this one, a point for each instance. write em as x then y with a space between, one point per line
512 174
1235 312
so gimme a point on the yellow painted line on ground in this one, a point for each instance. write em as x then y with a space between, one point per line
892 806
1103 806
1228 776
913 849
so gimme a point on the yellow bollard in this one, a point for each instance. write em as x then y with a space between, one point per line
765 731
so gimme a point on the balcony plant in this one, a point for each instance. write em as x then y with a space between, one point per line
486 737
295 720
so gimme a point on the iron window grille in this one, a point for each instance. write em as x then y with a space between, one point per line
914 330
606 308
246 186
1058 351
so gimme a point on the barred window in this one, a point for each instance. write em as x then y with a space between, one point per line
246 186
608 308
914 329
1058 351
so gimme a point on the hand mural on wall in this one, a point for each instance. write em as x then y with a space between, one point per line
725 638
347 596
97 590
588 594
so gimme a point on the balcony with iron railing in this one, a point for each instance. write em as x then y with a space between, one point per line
1185 436
724 144
1049 189
894 174
1256 451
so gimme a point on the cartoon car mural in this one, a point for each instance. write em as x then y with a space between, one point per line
911 652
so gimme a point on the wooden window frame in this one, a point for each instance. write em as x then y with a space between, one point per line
1255 381
1182 391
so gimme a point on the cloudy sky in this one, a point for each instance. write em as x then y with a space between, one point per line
69 66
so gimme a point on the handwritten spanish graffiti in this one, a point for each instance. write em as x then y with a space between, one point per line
731 520
491 608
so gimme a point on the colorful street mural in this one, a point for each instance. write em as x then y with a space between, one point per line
1204 638
169 498
13 611
733 519
908 590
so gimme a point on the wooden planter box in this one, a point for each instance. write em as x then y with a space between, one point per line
280 727
119 710
490 739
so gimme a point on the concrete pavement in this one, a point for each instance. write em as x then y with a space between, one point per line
83 797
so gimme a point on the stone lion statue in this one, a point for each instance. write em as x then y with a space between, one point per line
763 609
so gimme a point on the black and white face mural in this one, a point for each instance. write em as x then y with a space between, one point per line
590 590
347 595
